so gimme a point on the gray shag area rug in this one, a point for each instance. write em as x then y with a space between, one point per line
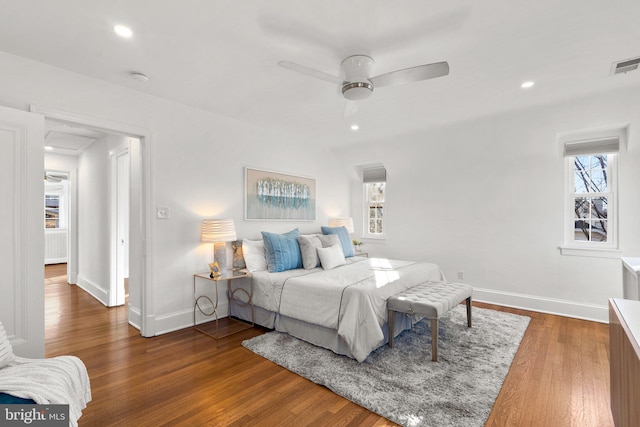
402 383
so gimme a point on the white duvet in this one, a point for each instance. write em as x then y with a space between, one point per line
351 299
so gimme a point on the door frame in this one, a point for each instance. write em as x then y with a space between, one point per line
116 267
22 287
140 229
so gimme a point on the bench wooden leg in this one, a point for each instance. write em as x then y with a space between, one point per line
434 340
469 312
391 325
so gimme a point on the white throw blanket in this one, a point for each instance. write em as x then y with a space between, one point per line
58 380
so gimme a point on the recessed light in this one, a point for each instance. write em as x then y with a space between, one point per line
355 127
48 148
123 31
527 85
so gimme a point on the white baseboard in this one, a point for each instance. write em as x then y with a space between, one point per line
95 290
184 318
135 317
598 313
578 310
55 261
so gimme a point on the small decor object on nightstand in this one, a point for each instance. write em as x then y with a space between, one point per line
215 269
357 244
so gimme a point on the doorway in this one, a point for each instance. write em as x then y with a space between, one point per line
140 303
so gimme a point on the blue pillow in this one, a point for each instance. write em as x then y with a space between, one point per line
345 239
8 399
282 251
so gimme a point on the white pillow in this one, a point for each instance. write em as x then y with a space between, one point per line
254 256
6 351
331 257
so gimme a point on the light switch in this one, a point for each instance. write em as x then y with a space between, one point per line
163 213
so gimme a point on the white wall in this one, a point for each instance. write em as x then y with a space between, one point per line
93 217
197 169
486 197
60 162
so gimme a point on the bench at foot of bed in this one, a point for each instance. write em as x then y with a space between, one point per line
431 300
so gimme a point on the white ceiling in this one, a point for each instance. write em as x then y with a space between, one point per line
222 56
63 138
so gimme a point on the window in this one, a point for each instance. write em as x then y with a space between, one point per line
591 196
375 207
56 200
374 180
591 218
51 211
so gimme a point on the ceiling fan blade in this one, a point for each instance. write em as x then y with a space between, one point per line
310 72
413 74
56 175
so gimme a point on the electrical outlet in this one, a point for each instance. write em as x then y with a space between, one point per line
163 213
461 275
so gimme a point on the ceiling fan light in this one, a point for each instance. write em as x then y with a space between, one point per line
357 91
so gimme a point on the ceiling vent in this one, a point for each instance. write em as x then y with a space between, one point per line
625 66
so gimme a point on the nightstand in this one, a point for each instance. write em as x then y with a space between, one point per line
362 254
237 295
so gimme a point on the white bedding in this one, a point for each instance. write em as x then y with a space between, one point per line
349 299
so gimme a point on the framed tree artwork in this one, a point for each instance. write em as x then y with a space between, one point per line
272 195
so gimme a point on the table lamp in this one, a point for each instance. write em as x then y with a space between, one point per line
218 232
342 222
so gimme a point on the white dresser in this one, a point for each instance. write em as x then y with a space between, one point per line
630 278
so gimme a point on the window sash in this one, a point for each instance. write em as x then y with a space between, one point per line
374 212
51 211
375 221
609 195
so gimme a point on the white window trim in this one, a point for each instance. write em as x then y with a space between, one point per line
590 252
592 249
365 217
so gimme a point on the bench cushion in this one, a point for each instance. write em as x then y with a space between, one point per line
430 299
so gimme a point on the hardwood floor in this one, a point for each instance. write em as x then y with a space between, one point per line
559 377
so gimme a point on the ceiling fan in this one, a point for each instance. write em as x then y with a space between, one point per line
54 177
357 83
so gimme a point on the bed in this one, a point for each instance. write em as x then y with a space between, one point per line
342 309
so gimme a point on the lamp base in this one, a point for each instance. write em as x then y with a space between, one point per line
220 255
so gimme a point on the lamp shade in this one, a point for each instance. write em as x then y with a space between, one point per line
342 222
217 230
